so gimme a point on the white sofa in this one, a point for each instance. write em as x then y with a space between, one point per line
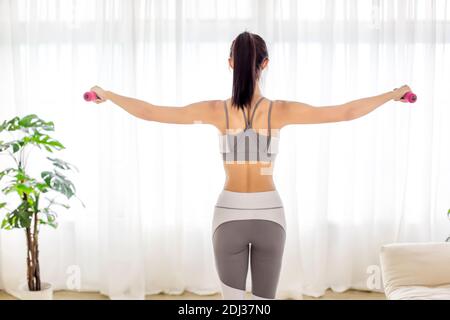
414 271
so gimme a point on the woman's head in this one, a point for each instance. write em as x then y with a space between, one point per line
248 57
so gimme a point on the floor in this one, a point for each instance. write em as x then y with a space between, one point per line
329 295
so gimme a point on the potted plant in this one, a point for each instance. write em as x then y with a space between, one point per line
35 197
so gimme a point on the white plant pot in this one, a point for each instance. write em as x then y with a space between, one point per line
46 292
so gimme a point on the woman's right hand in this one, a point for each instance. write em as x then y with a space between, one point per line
100 93
400 92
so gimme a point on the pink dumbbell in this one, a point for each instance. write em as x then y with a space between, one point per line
90 96
410 97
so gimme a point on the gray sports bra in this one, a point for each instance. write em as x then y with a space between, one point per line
248 145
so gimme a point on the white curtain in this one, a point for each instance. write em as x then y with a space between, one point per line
150 188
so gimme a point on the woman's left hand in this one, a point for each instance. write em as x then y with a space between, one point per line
400 92
100 93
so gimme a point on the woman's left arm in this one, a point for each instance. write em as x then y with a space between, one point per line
198 112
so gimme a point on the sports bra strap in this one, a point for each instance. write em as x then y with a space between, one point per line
253 113
245 119
270 131
226 110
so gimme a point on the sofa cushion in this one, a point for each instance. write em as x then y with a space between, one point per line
420 293
413 270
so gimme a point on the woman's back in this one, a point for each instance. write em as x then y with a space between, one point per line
249 150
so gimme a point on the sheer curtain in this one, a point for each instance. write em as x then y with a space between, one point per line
150 188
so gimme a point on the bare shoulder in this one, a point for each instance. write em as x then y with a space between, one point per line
206 105
213 111
209 108
296 112
283 111
287 105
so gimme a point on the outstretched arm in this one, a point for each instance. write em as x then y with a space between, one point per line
291 112
198 112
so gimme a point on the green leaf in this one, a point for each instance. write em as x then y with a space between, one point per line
25 214
51 224
20 217
62 164
58 182
4 146
33 121
2 204
47 176
21 175
13 124
46 141
50 217
42 187
23 188
9 188
53 202
5 224
16 145
56 143
6 171
3 125
27 121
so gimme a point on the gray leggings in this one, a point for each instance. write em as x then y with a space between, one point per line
249 226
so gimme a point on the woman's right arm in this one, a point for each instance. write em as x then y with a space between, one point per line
194 113
292 112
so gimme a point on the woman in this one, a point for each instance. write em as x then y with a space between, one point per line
249 217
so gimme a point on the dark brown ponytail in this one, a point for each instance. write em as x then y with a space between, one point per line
248 51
